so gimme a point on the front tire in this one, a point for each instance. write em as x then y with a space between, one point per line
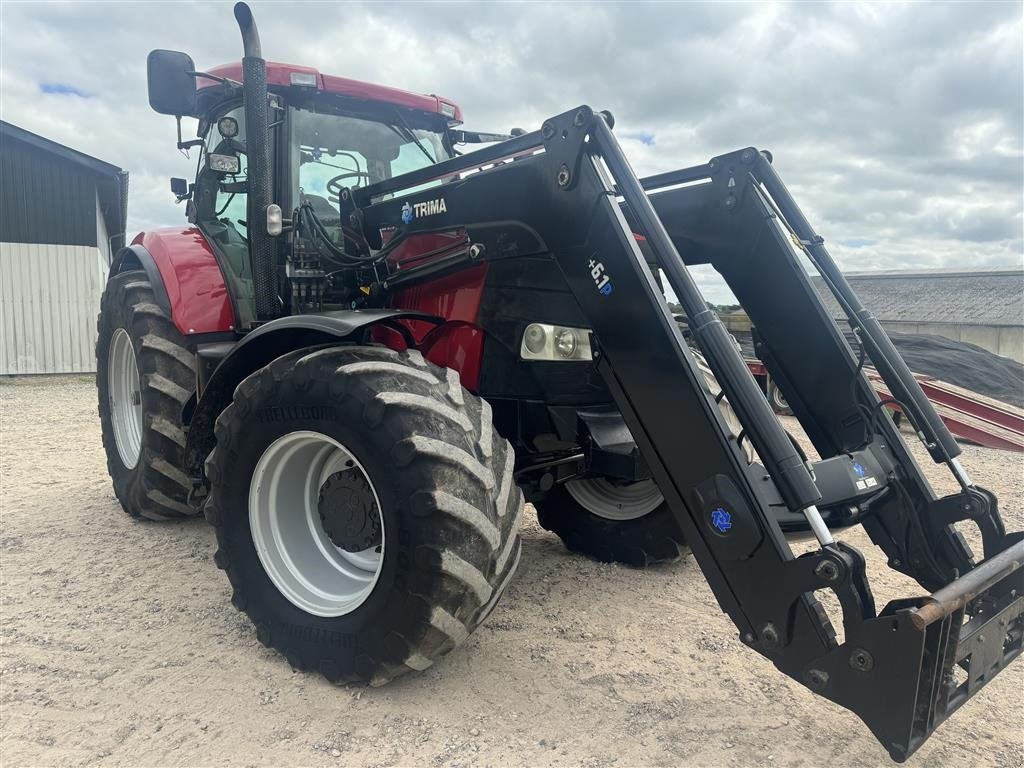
629 524
432 473
626 523
145 372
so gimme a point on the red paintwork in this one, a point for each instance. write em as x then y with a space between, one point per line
966 414
280 74
410 253
458 343
195 286
459 346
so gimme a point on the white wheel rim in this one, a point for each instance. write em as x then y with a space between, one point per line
601 497
125 393
295 550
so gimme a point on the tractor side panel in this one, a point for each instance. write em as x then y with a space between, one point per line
195 286
458 343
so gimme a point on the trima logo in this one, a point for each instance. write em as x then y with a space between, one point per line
426 208
601 279
430 207
721 519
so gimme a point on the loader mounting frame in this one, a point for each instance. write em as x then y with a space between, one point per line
580 202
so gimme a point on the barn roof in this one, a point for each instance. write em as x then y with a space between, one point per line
983 296
111 181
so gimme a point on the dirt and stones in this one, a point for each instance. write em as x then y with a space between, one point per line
118 646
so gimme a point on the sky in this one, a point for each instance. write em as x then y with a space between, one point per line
898 127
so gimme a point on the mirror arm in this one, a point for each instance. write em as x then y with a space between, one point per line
216 78
186 144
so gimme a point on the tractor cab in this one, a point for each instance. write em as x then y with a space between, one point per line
329 136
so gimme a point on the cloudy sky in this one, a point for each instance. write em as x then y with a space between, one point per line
898 127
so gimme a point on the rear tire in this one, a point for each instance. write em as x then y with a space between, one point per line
638 540
441 479
145 372
777 400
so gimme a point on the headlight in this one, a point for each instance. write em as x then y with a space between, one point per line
555 342
535 338
566 341
303 79
227 127
223 163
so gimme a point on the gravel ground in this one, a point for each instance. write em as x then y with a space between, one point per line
118 645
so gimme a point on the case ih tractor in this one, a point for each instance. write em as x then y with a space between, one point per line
364 350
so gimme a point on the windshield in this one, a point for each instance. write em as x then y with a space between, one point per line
335 151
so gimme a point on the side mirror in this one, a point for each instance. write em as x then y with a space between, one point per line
172 87
179 187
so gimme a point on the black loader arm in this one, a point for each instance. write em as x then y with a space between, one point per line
902 669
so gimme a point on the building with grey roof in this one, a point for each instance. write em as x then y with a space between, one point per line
983 306
62 216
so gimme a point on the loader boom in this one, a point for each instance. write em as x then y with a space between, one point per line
580 202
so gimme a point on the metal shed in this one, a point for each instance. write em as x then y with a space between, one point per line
62 215
982 306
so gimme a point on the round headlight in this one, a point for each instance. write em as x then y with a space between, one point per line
535 338
228 127
566 342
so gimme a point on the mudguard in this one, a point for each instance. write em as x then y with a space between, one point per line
135 257
267 343
193 287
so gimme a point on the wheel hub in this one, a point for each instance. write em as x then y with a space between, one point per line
349 513
299 558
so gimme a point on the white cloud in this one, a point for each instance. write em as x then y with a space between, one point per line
897 127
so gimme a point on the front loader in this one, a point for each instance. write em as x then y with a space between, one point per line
367 350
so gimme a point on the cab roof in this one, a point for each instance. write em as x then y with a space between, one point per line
293 75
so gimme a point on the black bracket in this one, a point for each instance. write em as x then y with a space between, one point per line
564 136
977 505
839 568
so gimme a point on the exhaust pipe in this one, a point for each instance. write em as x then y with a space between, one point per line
260 172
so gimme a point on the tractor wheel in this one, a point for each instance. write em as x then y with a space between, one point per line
627 523
365 509
777 400
144 374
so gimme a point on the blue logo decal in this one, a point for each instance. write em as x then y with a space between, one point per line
607 289
721 519
407 215
861 472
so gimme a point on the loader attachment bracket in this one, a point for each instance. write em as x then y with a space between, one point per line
977 505
564 143
907 670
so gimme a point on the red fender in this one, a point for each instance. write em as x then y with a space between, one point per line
195 285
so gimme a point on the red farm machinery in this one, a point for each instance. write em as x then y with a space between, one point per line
364 352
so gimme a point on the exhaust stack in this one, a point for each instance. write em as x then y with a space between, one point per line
260 179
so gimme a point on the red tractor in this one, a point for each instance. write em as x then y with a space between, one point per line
365 349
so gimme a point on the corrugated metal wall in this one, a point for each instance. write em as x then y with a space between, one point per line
44 198
49 298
